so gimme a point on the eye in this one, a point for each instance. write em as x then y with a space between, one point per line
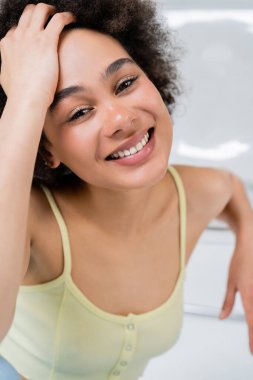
123 85
79 113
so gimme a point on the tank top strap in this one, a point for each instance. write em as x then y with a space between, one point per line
182 213
63 230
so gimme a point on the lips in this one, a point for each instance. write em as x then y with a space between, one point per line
132 146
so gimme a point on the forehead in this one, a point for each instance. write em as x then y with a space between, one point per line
86 52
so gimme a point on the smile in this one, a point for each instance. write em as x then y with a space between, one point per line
132 150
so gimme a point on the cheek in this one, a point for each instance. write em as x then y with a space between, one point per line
152 100
159 107
78 140
73 145
68 139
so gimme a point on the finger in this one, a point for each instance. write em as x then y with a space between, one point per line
40 16
10 32
228 302
249 319
250 330
247 301
26 16
58 22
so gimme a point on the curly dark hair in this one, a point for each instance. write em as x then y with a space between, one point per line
135 25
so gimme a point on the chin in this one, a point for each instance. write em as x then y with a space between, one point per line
145 178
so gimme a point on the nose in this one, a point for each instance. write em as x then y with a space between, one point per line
119 119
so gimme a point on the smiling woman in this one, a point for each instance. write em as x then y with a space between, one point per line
135 27
95 237
109 107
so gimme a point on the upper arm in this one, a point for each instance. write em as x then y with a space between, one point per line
9 288
31 228
27 250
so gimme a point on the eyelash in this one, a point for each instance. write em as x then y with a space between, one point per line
84 111
80 113
131 79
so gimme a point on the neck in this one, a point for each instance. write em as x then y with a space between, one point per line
125 212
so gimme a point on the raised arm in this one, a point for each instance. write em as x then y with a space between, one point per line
29 76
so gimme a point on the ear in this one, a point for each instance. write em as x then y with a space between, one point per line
50 155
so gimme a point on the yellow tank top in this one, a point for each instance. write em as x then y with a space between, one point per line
58 334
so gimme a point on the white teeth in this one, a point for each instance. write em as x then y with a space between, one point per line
139 146
133 150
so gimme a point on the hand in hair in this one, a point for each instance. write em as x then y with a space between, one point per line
29 53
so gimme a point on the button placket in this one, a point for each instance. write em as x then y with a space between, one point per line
128 349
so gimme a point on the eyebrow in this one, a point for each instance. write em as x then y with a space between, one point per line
116 65
72 90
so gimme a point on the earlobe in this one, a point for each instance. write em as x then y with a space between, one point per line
50 158
54 164
52 161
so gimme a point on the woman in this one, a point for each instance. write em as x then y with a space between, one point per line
93 250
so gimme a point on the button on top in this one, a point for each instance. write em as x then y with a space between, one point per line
131 326
128 347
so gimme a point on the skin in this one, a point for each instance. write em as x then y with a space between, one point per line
114 118
140 201
127 194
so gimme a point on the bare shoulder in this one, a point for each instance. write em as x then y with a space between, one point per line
38 210
207 192
207 189
41 220
45 238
